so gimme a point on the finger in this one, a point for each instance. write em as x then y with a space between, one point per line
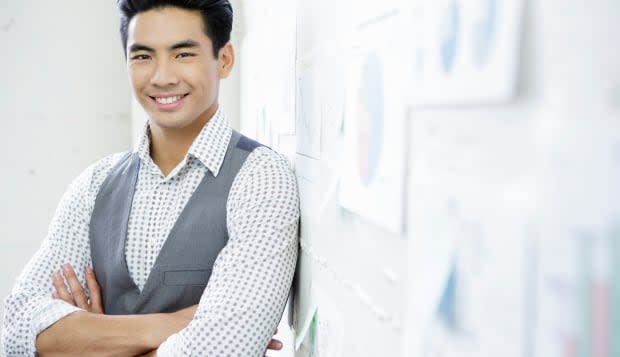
275 345
55 295
95 292
79 296
61 289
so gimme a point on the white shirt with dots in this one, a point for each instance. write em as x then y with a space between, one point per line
243 302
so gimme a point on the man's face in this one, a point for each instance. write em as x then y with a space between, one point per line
173 72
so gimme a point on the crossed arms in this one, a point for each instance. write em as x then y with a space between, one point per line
91 332
222 322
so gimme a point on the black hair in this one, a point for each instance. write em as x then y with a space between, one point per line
217 16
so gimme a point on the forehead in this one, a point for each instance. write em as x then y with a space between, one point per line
165 26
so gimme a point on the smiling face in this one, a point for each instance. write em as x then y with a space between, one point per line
173 72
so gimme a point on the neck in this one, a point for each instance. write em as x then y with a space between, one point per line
170 145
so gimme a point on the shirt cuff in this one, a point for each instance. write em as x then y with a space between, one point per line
171 347
49 312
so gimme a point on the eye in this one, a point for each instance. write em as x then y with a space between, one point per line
140 57
185 55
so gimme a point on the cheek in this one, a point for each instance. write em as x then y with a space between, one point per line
139 78
203 76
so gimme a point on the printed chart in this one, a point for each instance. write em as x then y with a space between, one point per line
466 51
579 296
372 182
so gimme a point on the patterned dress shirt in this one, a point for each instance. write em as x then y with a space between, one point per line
251 278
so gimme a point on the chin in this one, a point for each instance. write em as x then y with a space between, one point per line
169 123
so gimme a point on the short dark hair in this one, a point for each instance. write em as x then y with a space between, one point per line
217 16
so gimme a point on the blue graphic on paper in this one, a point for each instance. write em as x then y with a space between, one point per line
450 37
484 33
446 310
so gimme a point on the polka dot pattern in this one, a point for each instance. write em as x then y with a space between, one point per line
246 294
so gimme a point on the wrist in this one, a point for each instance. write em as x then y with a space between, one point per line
155 329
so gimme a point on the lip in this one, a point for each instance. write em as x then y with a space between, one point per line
171 106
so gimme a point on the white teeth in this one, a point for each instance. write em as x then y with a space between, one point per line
168 100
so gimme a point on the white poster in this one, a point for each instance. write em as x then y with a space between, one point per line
374 128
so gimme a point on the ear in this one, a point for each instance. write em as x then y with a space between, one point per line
226 60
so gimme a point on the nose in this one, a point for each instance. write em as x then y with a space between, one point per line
164 75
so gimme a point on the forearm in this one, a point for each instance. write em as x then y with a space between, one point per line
88 334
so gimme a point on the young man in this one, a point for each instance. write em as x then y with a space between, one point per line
192 237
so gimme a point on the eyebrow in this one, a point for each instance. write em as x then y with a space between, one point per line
183 44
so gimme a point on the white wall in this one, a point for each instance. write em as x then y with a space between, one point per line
534 174
512 183
64 103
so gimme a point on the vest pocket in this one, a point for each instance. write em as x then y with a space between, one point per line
187 277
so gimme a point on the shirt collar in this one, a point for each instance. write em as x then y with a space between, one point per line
209 147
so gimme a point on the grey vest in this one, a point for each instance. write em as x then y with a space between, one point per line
183 266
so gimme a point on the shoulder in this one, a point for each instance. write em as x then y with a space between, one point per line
265 174
83 190
91 179
264 161
100 169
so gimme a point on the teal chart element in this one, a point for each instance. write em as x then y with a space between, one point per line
313 336
370 105
450 37
485 33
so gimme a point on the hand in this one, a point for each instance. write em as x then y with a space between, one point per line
75 294
275 345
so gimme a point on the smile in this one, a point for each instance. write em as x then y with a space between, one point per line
169 101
